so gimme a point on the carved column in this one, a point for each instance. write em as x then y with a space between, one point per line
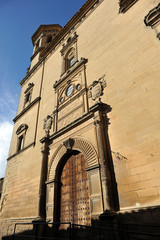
42 188
104 166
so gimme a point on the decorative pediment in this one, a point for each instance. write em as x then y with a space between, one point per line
70 41
21 128
125 5
153 17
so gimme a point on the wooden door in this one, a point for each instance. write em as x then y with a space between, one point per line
75 206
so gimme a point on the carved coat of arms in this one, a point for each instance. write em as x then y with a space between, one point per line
96 89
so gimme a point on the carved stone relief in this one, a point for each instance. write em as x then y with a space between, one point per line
69 143
96 89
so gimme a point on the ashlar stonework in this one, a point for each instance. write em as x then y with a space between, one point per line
86 135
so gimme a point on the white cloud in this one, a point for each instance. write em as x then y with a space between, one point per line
5 138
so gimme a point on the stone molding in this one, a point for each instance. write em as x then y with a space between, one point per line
30 145
21 128
77 122
80 144
125 5
153 17
69 43
70 126
70 71
38 50
43 28
26 109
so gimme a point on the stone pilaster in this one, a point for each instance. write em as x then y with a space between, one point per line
106 166
42 188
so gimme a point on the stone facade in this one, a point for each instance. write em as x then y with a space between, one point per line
92 88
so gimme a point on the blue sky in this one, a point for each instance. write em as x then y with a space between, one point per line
19 19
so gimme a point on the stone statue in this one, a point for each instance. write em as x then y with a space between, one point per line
96 89
47 125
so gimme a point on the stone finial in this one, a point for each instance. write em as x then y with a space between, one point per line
47 125
96 89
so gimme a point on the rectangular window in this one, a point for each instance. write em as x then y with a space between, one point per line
20 143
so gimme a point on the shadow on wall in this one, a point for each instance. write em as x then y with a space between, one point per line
142 225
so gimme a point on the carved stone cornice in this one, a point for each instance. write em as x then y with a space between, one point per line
125 5
69 43
31 71
72 99
97 107
38 50
153 17
43 28
26 109
70 71
73 21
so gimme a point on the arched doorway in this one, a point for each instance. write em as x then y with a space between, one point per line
74 192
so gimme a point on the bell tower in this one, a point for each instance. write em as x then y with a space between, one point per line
44 35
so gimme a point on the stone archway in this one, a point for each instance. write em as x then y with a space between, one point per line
82 145
83 153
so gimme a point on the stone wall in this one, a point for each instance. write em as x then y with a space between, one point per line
123 48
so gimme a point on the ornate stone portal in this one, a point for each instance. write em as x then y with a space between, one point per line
97 174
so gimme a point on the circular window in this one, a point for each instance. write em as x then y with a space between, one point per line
61 99
78 86
69 90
